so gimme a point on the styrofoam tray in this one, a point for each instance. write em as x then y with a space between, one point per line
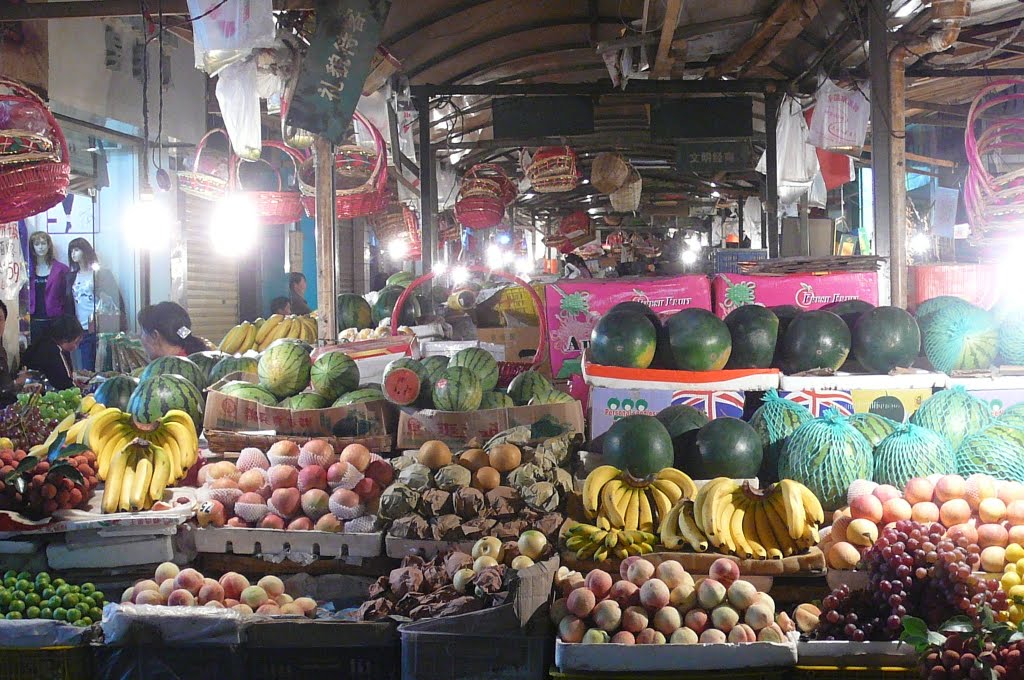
110 552
989 382
640 658
243 541
914 380
829 651
398 548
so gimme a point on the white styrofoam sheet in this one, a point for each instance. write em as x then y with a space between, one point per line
642 658
825 651
916 380
450 347
758 382
398 548
989 382
106 553
243 541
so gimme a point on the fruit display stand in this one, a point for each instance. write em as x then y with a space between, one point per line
894 396
44 649
351 548
610 657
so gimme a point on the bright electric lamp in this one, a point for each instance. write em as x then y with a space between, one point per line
493 256
440 268
460 275
398 250
689 257
233 225
147 224
919 244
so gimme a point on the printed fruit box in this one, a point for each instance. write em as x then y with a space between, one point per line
224 412
999 391
756 380
896 397
805 291
573 308
608 404
457 428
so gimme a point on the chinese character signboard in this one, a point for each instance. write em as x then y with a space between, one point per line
337 63
714 156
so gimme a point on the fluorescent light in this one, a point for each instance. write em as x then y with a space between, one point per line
460 275
233 225
398 249
907 9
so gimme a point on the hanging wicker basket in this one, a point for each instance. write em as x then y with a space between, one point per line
554 169
211 171
627 198
398 223
273 207
609 172
483 195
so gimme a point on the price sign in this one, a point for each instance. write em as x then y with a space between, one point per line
13 272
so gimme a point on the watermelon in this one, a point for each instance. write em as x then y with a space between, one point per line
353 312
663 357
912 451
700 340
360 396
495 399
458 389
774 421
815 340
172 365
206 361
333 374
639 445
385 306
1013 416
639 308
954 413
304 401
1011 340
434 366
873 427
239 389
229 365
551 397
725 447
680 419
284 370
754 331
959 338
785 314
827 455
400 279
115 392
885 338
405 380
849 311
526 386
998 450
927 309
230 388
480 363
305 346
623 338
155 396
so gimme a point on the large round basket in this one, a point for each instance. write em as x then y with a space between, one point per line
399 223
274 207
554 169
210 175
627 199
609 172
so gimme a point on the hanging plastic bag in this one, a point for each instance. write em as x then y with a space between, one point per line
240 105
840 118
797 162
231 31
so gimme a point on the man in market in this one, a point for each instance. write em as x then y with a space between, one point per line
297 293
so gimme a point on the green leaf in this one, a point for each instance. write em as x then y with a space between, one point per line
957 624
67 470
55 446
936 639
27 463
987 619
68 451
915 627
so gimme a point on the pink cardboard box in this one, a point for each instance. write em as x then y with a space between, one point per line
573 308
806 291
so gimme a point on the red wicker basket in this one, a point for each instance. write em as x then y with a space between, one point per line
369 198
400 222
273 207
488 180
479 212
36 186
554 169
210 176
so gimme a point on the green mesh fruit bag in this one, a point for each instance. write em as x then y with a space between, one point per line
961 339
953 413
827 455
1011 340
874 427
774 421
998 450
1013 416
912 451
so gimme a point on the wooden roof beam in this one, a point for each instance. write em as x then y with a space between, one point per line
787 11
663 61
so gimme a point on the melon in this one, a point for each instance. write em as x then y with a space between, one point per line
682 423
874 427
700 341
495 399
480 363
849 311
385 306
552 397
640 308
229 365
1013 416
774 421
353 312
638 444
305 401
239 389
174 365
623 338
754 331
458 389
998 450
785 314
953 413
284 369
333 374
404 381
912 451
815 340
360 396
725 447
1011 340
434 366
206 361
958 338
400 279
116 391
886 338
927 309
528 385
155 396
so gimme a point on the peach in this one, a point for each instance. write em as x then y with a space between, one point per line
166 588
950 487
181 598
683 636
285 501
991 510
291 609
766 600
190 580
741 594
167 570
283 599
807 617
143 586
649 636
978 488
1010 491
742 634
634 619
233 583
243 609
992 534
625 593
210 592
581 602
684 597
866 507
1016 535
724 618
666 620
771 633
254 596
640 572
356 454
918 490
312 477
724 570
272 585
595 636
228 602
558 610
571 629
710 593
268 609
860 487
1015 512
283 477
271 521
607 615
284 449
843 555
237 522
308 605
712 636
924 512
328 523
696 620
151 597
598 582
896 509
759 616
381 472
300 524
884 492
993 559
968 531
315 503
785 622
673 574
252 481
954 511
625 564
127 595
654 594
623 637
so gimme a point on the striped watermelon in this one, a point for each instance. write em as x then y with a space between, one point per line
305 401
284 370
526 386
333 374
551 397
874 427
961 339
953 413
998 450
115 392
353 312
154 397
206 361
774 421
400 279
458 389
172 365
239 389
927 309
480 362
360 396
434 367
405 380
912 451
496 399
1011 340
1013 416
229 365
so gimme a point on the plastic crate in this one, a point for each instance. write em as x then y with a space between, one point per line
516 300
157 662
487 644
750 674
52 663
979 284
727 260
854 673
298 649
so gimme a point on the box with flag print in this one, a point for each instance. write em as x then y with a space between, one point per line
608 404
894 396
819 401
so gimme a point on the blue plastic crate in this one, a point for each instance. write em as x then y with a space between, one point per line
727 260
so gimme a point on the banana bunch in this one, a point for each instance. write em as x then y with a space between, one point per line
89 406
602 541
263 333
137 477
778 522
631 504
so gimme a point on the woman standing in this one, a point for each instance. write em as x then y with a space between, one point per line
167 331
47 278
90 287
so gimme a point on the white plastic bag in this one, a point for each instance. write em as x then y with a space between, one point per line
797 161
840 117
231 31
240 105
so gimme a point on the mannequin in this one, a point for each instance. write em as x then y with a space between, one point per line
92 292
47 280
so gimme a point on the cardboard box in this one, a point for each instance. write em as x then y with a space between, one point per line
1000 391
224 412
608 404
896 405
806 291
458 428
893 396
520 343
573 308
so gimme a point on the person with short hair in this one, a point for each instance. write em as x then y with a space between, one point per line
51 354
167 331
281 305
297 293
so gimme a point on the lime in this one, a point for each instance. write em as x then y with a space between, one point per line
53 602
81 623
99 597
46 613
95 613
9 582
24 575
42 578
60 614
86 620
18 595
73 615
10 573
75 589
33 599
5 599
17 606
12 616
89 602
88 589
48 593
84 608
59 582
32 613
62 591
71 600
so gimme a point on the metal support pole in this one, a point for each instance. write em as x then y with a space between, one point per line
325 229
881 128
772 103
898 186
428 194
739 215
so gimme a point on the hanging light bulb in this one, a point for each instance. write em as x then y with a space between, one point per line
233 225
460 275
147 222
398 249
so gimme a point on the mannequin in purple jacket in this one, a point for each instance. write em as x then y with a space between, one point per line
47 284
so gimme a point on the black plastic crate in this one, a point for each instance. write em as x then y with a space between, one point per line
154 662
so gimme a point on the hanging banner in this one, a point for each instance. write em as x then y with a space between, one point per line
336 66
13 270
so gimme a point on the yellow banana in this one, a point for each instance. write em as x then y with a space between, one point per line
662 504
233 340
646 515
124 501
188 442
112 488
812 506
593 485
603 523
669 530
750 530
703 502
796 518
162 467
611 493
713 510
632 514
141 481
724 525
98 428
75 432
119 439
743 548
681 479
777 519
163 439
688 527
765 535
88 401
96 409
250 336
670 489
268 327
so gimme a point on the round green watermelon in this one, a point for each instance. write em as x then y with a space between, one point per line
458 389
912 451
333 374
284 370
885 338
552 397
301 344
639 308
305 401
958 338
815 340
239 389
873 427
774 421
638 444
998 450
700 340
206 361
172 365
785 314
480 363
927 309
360 396
827 455
526 386
623 338
754 331
115 392
155 396
849 311
405 380
1011 340
353 312
1013 416
725 447
229 365
682 423
495 399
954 414
434 366
400 279
385 306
